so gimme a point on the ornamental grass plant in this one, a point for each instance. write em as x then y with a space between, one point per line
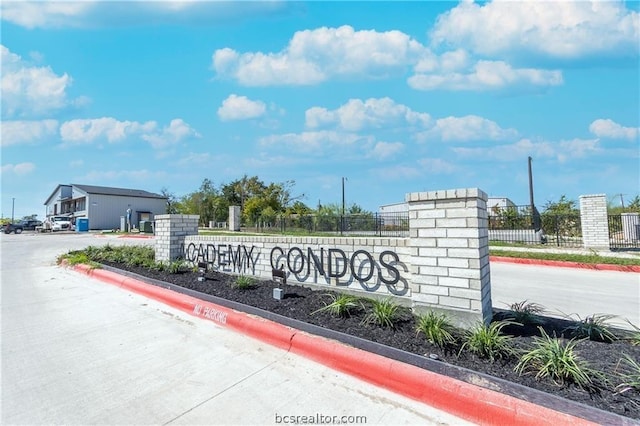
557 360
488 341
342 305
437 328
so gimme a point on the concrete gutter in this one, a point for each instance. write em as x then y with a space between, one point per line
479 404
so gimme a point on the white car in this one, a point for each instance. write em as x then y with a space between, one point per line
57 223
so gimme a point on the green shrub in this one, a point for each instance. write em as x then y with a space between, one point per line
629 370
593 327
487 341
244 282
558 361
177 266
437 328
634 336
383 313
341 306
76 258
525 312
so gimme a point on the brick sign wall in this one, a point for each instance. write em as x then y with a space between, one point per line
443 265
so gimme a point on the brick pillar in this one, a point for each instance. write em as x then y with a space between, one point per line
234 218
170 231
594 221
450 254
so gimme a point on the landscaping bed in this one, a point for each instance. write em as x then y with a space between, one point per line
609 366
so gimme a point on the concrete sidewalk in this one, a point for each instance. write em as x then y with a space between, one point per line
76 351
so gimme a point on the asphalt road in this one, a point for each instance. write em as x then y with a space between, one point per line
77 351
568 291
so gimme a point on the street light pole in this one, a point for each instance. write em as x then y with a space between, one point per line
13 204
342 196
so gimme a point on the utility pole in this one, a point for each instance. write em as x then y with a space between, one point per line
342 196
535 216
13 204
621 200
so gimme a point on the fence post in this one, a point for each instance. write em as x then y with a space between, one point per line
449 243
594 221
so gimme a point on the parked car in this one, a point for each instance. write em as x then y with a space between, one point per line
16 228
56 223
30 225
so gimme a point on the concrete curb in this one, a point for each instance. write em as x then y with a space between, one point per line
473 403
562 264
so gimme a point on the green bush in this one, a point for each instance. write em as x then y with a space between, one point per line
244 282
341 306
525 312
383 313
487 341
553 359
437 328
629 371
593 327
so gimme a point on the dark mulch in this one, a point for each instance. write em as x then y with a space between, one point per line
301 302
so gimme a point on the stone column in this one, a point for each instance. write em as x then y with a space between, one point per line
170 230
594 221
234 218
449 243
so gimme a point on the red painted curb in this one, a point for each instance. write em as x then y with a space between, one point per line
563 264
473 403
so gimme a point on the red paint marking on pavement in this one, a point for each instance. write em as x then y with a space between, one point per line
563 264
474 403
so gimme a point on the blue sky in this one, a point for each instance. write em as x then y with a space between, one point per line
395 96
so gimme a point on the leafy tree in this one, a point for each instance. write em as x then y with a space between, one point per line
562 206
561 217
172 202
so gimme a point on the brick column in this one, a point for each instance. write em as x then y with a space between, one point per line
450 254
170 231
594 221
234 218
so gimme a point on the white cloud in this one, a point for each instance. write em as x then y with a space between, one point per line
561 151
372 113
484 75
91 13
240 108
562 29
89 130
34 14
175 132
607 128
437 166
31 90
313 56
19 169
311 142
467 128
19 132
384 150
85 131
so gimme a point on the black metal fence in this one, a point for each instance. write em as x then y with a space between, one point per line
523 225
624 232
373 224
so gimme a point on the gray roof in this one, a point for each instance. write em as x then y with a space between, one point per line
105 190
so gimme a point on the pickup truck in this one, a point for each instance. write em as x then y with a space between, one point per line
55 223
